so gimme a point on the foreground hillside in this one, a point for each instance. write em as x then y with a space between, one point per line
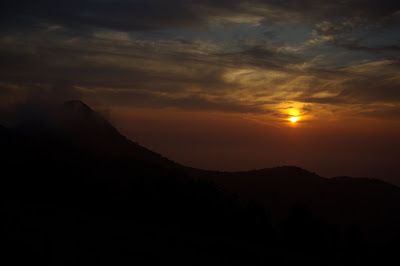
371 204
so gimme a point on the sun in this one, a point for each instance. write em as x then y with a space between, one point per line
294 119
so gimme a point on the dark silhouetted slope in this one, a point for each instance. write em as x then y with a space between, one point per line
77 182
372 204
90 131
76 128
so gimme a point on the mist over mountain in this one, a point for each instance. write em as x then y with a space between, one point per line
76 190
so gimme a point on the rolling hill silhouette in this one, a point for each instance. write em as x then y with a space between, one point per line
77 181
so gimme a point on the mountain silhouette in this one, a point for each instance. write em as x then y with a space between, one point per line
76 128
91 132
78 169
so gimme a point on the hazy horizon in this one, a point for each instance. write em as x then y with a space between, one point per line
239 144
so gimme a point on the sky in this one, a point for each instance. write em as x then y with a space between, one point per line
213 84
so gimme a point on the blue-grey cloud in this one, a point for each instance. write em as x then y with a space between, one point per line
158 14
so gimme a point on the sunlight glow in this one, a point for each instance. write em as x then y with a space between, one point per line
294 119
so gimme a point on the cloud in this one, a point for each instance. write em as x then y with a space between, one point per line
118 60
357 46
363 83
130 15
262 56
35 103
382 112
120 68
203 55
191 102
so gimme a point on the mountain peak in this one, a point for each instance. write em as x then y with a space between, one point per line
73 101
76 103
77 106
91 131
87 125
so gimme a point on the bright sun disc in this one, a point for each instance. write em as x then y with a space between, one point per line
294 119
